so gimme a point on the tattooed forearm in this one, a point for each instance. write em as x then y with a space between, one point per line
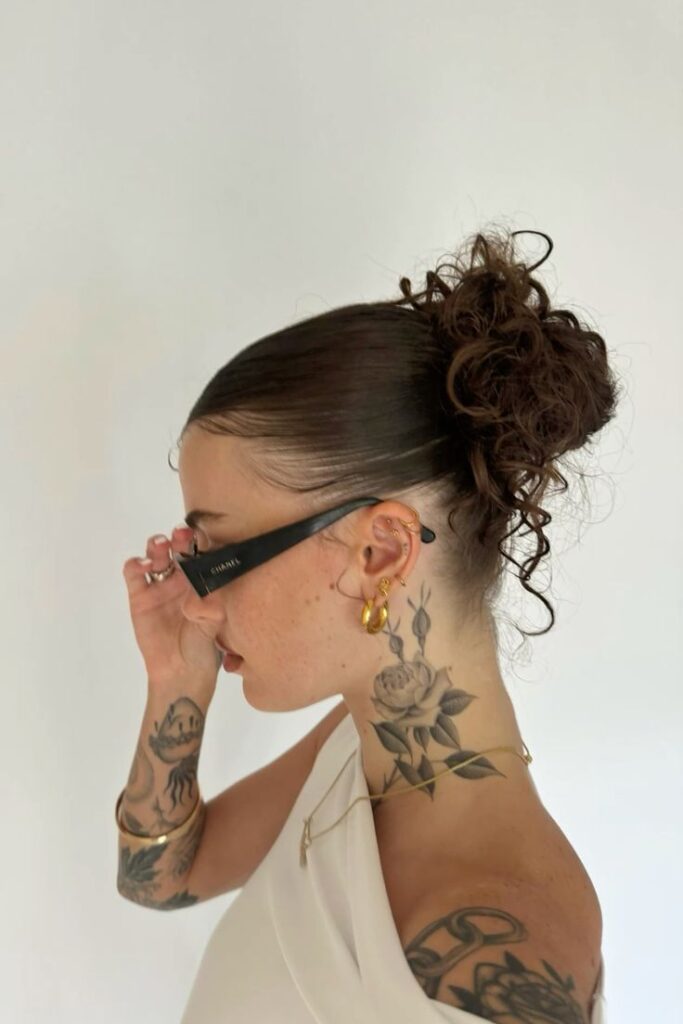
144 872
161 793
161 786
499 988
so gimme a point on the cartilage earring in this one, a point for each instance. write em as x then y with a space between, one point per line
411 522
405 546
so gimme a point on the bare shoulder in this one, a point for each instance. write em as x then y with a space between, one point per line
505 949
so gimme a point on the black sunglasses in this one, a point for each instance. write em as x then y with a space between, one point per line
208 572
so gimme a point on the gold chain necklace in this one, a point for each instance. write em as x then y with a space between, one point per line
307 838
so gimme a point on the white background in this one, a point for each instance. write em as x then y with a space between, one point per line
180 179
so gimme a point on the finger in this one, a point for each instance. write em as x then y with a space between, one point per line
158 549
157 558
182 539
134 570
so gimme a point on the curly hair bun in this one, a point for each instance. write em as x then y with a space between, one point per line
525 383
533 380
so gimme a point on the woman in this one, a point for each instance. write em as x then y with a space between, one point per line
358 479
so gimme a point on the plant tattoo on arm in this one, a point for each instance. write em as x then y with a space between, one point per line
175 742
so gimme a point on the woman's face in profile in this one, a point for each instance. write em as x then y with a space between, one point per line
297 635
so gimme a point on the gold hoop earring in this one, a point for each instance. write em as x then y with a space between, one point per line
411 522
383 612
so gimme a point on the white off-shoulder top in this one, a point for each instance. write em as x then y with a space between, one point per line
318 943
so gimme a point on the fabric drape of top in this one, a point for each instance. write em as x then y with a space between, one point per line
299 945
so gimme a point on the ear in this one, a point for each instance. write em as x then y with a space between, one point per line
387 546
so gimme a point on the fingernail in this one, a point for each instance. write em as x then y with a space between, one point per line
159 539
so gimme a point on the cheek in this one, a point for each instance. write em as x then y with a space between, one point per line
284 612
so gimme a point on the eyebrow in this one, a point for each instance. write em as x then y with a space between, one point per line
193 518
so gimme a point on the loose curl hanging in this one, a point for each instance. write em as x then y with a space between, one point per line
469 390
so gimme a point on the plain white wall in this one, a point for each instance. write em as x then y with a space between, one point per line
179 179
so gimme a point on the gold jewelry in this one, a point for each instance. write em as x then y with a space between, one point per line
175 833
307 838
384 584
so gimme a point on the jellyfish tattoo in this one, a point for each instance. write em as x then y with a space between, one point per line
177 742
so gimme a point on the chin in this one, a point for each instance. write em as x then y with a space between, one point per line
272 699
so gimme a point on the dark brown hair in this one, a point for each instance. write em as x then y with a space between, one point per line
472 389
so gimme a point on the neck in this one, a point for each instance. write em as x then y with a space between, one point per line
421 713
